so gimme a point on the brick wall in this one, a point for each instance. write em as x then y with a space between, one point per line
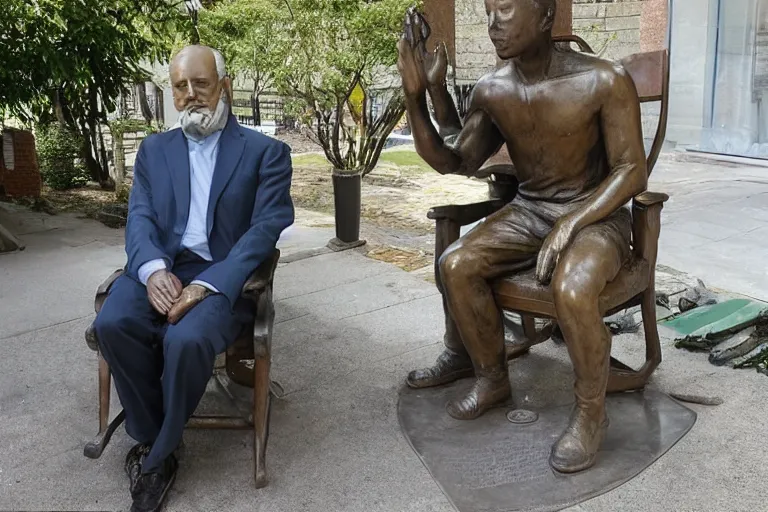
19 172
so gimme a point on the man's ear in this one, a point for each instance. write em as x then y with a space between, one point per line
227 89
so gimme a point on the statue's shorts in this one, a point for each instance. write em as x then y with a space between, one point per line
510 239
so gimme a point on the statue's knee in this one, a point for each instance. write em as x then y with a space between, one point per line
572 291
455 264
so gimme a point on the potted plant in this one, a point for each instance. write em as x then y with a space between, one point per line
341 79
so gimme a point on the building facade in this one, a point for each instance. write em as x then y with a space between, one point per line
718 59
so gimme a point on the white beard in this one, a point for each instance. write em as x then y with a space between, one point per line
197 123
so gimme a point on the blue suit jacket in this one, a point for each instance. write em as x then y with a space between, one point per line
249 206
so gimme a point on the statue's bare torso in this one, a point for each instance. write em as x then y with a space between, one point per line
552 128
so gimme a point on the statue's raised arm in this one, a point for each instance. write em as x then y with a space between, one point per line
454 149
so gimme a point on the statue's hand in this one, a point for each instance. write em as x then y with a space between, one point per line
418 67
557 241
437 65
190 297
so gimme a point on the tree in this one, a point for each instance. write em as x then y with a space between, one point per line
341 50
252 35
69 61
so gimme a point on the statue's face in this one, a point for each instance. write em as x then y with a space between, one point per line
514 25
195 81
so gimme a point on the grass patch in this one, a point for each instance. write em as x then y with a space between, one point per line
310 160
404 159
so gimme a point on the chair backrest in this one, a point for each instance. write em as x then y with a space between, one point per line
650 72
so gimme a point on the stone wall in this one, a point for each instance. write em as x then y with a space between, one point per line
611 27
19 172
475 54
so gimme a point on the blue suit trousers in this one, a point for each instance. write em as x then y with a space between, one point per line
161 370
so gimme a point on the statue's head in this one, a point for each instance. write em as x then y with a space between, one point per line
518 25
201 90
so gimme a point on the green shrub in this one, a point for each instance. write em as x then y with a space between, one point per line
57 151
123 193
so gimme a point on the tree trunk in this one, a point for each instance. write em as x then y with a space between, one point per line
255 107
141 94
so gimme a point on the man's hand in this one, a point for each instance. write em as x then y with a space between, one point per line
163 290
557 241
190 297
418 67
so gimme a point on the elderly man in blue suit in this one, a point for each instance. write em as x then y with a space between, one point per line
209 202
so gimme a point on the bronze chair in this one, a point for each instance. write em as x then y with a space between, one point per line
635 284
247 363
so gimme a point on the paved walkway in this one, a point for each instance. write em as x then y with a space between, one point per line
348 330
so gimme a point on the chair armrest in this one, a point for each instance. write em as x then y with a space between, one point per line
261 278
646 225
648 199
103 290
466 213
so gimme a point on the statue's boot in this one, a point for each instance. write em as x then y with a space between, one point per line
490 389
577 448
450 366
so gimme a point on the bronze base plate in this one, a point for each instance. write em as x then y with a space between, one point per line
493 465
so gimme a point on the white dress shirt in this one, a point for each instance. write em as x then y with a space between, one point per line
202 162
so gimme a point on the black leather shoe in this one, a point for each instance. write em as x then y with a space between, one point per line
152 488
133 463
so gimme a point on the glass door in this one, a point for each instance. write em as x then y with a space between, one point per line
738 118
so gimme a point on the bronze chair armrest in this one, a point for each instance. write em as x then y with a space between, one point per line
648 199
261 278
465 214
103 289
646 225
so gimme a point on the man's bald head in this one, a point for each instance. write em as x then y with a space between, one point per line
199 77
204 53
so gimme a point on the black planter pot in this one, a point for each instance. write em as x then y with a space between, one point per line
346 199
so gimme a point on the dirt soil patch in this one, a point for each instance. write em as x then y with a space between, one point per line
406 259
397 194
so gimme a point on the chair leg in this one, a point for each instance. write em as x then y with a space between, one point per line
95 448
624 379
651 328
515 350
105 388
261 409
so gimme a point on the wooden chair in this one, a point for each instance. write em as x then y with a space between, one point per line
247 363
635 283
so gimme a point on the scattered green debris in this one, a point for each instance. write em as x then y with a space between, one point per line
704 327
734 332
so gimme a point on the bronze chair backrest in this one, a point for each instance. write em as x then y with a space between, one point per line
650 72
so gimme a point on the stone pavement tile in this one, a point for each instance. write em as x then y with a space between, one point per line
335 447
709 231
317 274
674 240
47 413
42 288
349 299
339 347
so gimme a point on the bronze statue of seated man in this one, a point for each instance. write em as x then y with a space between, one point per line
572 126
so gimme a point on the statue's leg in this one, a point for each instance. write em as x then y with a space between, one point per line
454 362
593 260
507 241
